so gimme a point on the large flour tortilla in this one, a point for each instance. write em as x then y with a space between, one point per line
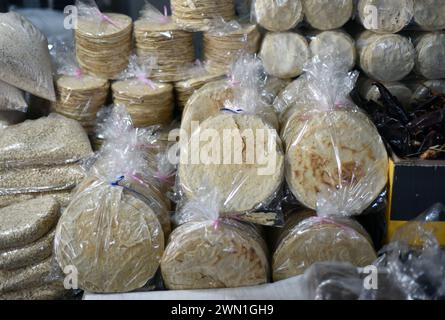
386 16
385 58
278 15
287 65
430 61
430 14
242 185
306 240
202 257
113 239
327 14
338 155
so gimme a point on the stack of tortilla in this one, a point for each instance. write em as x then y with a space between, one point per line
196 15
80 98
222 48
430 14
307 239
278 16
147 104
103 48
327 15
201 255
171 46
27 232
430 59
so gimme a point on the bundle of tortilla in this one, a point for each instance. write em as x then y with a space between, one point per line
196 76
427 89
225 41
430 14
371 93
157 35
244 86
11 98
336 44
26 62
430 59
208 252
333 151
278 16
307 239
385 16
103 41
148 102
272 87
111 231
385 58
79 95
197 15
289 65
327 15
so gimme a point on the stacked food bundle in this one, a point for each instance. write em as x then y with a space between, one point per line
157 35
149 103
103 41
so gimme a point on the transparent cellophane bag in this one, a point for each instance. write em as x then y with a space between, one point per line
113 230
156 34
241 109
11 98
335 157
226 41
79 94
411 267
209 251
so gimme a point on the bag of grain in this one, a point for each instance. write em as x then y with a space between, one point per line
207 251
25 62
11 98
333 151
111 232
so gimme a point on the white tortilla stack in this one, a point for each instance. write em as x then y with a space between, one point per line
114 239
278 16
385 58
327 15
336 156
430 14
202 256
335 44
243 185
287 65
430 61
307 239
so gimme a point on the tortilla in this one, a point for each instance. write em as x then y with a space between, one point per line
430 14
327 14
430 61
278 15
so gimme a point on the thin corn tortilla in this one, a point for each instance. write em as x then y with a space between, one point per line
278 15
430 14
327 14
430 59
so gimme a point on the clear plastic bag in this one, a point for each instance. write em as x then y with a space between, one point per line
429 14
277 15
385 16
52 140
158 36
336 161
208 251
25 63
112 230
430 55
248 183
11 98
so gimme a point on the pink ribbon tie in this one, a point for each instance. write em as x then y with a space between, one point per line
106 18
142 78
78 73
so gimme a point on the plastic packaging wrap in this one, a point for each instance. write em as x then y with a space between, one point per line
430 59
336 44
25 62
307 239
385 16
196 76
289 65
430 14
79 95
277 15
385 58
226 41
9 118
246 181
335 158
327 14
52 140
103 41
111 232
63 197
197 15
371 93
11 98
158 36
207 251
149 103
